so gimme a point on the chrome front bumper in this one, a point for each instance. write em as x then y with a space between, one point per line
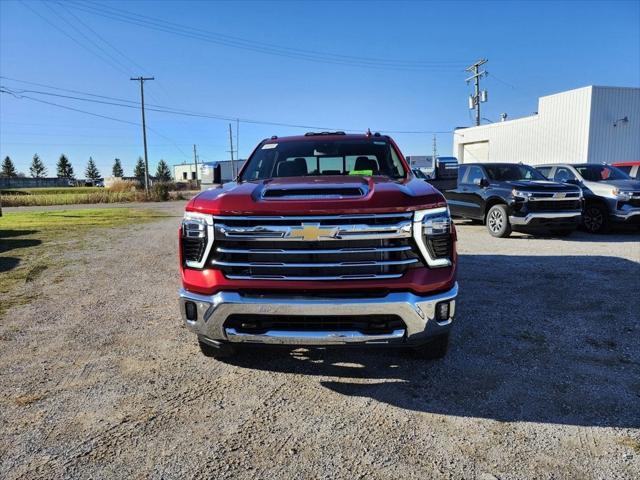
417 312
527 219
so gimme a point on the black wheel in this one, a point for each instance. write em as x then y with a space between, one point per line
595 219
215 351
498 221
562 232
436 348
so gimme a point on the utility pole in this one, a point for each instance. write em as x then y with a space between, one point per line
142 79
478 96
195 161
435 152
233 163
238 139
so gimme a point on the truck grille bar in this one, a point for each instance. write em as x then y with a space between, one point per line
333 247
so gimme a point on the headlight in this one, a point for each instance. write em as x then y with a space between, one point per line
624 196
520 194
197 238
432 234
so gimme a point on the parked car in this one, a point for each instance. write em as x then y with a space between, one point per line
508 196
611 196
419 174
630 168
445 174
325 239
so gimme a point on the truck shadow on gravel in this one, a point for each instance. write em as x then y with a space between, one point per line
8 242
551 339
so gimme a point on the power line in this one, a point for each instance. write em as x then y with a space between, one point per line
124 68
113 47
107 117
104 59
109 44
174 111
236 42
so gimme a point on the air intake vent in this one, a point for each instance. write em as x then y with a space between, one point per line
193 249
194 241
312 192
439 245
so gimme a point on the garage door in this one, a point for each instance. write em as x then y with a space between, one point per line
475 152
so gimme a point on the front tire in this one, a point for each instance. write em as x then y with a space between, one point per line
595 219
220 350
434 349
498 221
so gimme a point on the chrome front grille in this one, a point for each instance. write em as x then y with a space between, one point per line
337 247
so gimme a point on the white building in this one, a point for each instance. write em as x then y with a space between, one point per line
187 171
590 124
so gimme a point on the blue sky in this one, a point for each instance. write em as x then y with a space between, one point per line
534 49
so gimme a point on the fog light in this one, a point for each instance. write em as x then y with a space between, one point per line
442 311
191 311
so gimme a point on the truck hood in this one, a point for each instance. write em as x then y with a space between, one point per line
624 185
540 186
605 187
319 195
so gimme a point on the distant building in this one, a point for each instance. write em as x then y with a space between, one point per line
423 162
590 124
187 171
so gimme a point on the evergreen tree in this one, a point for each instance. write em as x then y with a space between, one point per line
163 174
138 171
92 172
37 168
117 169
64 168
8 169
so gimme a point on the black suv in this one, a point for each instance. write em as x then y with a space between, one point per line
509 196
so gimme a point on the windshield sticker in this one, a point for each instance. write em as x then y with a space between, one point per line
269 146
380 143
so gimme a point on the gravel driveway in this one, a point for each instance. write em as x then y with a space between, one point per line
98 379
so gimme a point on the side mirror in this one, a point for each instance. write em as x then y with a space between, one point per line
572 181
481 182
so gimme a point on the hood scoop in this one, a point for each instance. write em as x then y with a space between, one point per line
315 192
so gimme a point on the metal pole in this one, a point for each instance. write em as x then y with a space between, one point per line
233 163
435 152
238 138
477 94
144 131
195 161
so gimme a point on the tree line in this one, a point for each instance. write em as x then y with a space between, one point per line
64 169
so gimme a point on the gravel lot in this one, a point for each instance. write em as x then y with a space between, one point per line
98 378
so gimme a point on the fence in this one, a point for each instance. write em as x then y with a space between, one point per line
26 182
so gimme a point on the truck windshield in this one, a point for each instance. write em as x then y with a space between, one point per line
505 173
600 173
317 158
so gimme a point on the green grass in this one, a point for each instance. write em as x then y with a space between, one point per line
32 243
50 190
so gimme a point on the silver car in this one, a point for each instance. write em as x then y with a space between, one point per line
611 196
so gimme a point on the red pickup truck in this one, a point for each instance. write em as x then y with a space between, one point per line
324 239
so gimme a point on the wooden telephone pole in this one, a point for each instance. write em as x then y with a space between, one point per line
144 131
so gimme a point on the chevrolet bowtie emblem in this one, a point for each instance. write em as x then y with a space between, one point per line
311 232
